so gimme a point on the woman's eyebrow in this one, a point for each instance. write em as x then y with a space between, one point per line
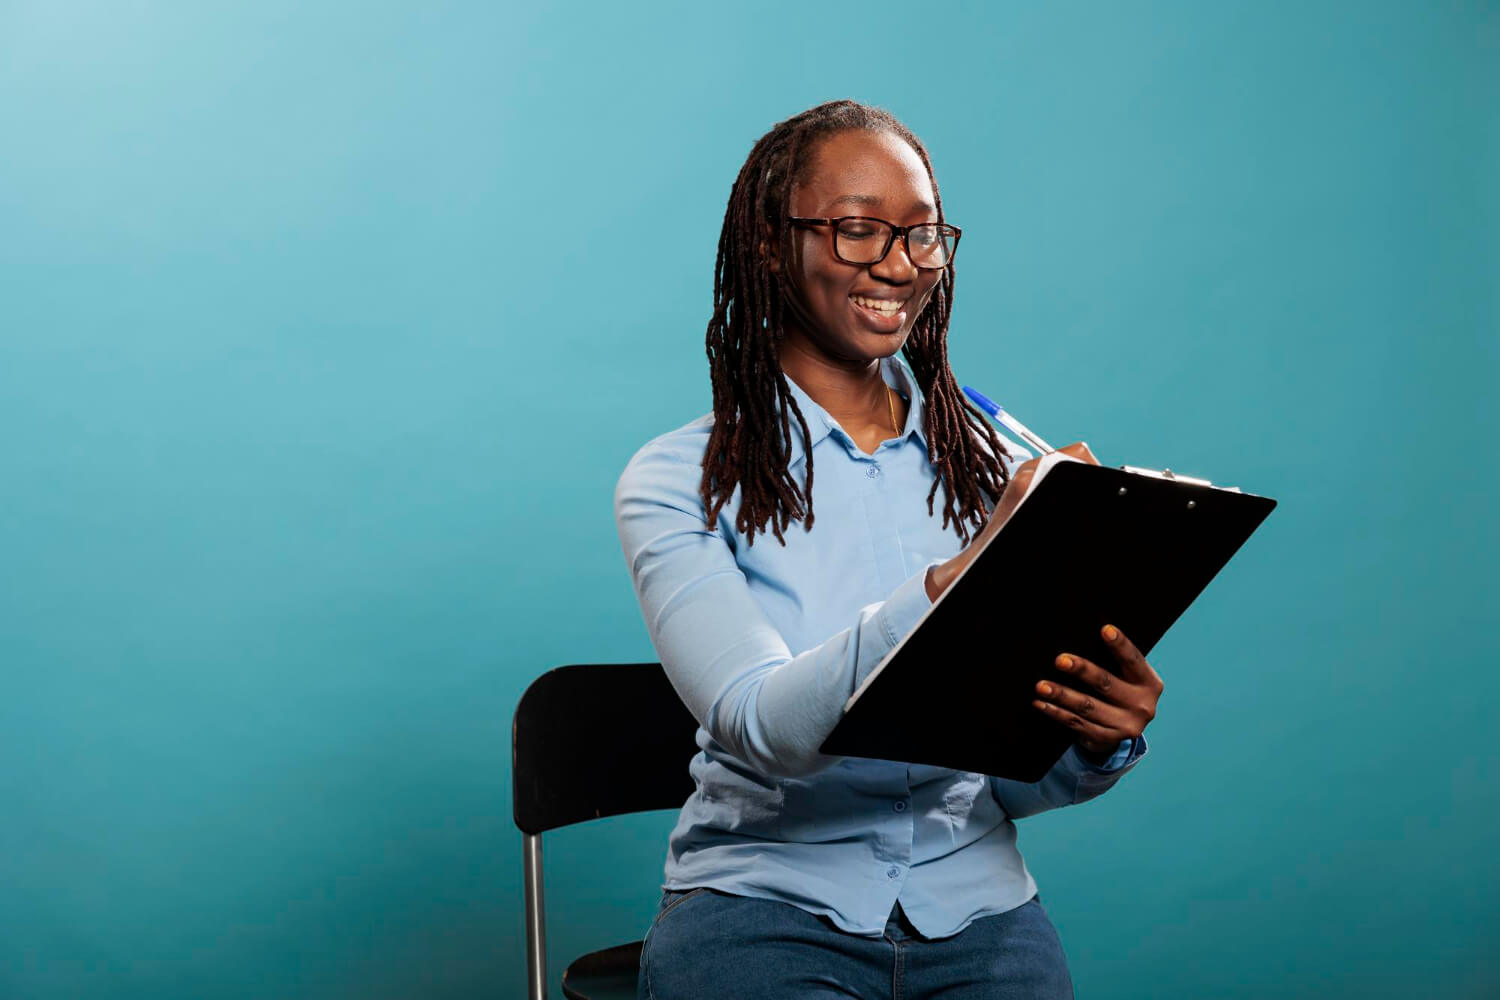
870 199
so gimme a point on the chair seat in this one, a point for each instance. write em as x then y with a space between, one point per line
609 974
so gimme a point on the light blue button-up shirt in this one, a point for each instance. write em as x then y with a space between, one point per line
765 643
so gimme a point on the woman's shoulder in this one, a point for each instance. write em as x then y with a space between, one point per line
684 444
670 464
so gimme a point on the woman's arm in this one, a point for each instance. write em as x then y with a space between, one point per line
1072 780
1109 712
729 665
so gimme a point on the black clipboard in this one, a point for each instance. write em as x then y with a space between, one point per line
1089 546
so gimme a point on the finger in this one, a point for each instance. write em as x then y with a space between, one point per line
1015 488
1023 476
1083 727
1132 664
1089 673
1080 450
1084 705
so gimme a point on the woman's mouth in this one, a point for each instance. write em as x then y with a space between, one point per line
885 315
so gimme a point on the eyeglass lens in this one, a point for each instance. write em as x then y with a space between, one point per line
863 241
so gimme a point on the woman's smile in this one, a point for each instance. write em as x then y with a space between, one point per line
858 313
881 314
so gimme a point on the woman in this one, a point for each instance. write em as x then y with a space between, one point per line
791 873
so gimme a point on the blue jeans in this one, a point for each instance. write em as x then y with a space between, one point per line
705 944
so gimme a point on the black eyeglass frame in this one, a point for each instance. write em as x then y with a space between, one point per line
902 231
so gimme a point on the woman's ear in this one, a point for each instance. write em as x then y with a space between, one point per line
773 263
767 250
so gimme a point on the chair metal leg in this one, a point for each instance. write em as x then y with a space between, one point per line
536 920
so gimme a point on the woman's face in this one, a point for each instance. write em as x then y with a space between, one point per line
859 173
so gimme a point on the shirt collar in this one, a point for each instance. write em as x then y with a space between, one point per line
820 423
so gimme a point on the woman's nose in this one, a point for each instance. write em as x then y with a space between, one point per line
896 265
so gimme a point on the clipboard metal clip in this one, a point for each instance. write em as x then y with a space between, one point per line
1176 477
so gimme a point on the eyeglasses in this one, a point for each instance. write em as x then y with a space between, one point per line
859 239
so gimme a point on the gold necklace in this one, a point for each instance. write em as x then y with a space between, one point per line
890 399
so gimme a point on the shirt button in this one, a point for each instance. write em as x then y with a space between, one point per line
899 805
893 872
872 472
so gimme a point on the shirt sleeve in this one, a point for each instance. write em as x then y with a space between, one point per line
1072 780
729 665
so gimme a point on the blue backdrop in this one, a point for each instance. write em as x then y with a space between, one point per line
326 329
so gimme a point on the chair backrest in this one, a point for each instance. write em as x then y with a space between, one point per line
594 740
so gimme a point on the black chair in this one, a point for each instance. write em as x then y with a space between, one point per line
589 741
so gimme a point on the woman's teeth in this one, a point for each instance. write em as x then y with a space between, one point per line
886 307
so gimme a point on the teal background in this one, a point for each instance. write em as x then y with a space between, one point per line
325 330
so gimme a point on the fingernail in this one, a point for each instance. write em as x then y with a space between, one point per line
1065 662
1047 689
1111 633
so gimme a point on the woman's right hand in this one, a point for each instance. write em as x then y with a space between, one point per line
939 577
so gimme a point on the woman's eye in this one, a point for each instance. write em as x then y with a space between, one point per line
857 232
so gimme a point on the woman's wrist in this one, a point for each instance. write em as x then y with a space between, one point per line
941 575
1097 757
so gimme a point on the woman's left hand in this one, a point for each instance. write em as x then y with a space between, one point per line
1108 708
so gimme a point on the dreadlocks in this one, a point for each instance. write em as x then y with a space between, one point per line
750 444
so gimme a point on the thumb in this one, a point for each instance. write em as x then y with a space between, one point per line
1080 450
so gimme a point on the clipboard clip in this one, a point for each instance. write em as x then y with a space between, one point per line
1168 474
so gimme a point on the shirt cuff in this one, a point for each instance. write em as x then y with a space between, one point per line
905 607
896 618
1128 752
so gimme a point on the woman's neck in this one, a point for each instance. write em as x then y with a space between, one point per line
854 393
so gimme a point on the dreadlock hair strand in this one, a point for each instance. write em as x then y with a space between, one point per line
750 446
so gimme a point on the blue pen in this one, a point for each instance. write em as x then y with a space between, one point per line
1007 421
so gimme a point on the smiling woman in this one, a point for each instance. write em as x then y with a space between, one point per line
791 873
815 303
